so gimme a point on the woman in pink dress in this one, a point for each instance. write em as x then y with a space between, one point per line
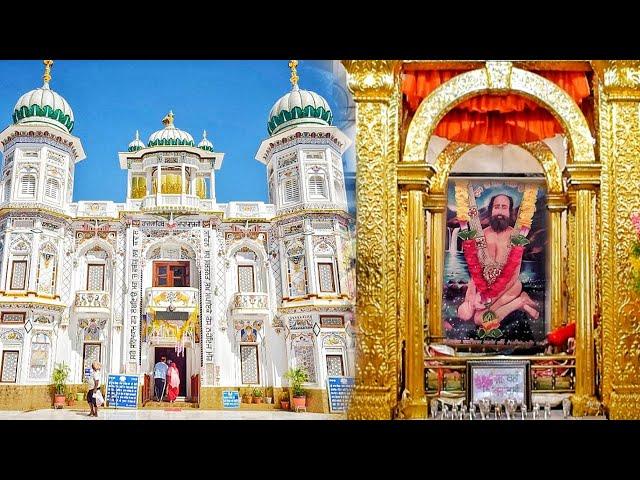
173 381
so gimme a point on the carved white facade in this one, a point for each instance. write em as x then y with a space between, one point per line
236 292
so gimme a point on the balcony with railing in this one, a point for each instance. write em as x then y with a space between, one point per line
168 201
252 303
172 298
92 302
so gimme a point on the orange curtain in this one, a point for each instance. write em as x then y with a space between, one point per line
494 119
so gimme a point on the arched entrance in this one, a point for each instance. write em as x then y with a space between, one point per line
171 326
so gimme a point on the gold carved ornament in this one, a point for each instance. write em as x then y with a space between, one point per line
376 88
617 96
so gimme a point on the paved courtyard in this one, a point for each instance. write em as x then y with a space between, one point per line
168 414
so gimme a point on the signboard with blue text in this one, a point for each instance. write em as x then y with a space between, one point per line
339 393
231 399
122 391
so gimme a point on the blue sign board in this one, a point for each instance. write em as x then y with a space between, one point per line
231 399
122 391
339 393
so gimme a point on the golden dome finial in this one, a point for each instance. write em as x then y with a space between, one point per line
47 70
168 120
294 74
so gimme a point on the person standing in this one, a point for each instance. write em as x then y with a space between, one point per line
94 387
173 381
159 378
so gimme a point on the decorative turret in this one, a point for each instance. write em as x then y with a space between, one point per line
136 144
171 173
205 144
304 152
40 152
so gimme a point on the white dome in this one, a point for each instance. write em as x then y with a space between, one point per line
205 144
298 107
44 105
170 135
136 144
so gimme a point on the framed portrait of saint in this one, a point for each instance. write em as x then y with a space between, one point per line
495 261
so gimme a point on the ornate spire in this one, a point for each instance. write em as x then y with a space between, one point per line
204 134
294 74
168 120
137 135
47 72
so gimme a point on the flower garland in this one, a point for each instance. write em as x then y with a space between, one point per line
489 291
528 206
462 202
635 252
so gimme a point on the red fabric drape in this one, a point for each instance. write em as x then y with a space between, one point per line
494 119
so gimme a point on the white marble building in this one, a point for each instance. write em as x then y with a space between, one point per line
235 293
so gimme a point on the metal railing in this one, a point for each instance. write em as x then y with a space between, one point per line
549 373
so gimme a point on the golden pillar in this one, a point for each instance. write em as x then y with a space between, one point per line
584 178
556 204
436 205
376 88
617 106
413 178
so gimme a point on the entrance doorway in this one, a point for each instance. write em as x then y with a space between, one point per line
181 363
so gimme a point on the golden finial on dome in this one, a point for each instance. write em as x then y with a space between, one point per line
168 120
47 70
294 74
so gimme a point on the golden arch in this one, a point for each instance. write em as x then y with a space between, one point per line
557 203
454 150
499 77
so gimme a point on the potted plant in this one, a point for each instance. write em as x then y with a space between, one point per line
71 399
268 395
59 379
257 395
297 376
284 400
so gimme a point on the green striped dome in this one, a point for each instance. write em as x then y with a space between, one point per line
298 107
43 105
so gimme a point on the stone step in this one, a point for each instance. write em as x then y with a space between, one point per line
164 405
258 406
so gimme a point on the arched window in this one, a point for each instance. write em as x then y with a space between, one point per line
7 190
246 261
47 270
317 188
291 190
96 260
28 185
52 189
40 346
337 185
